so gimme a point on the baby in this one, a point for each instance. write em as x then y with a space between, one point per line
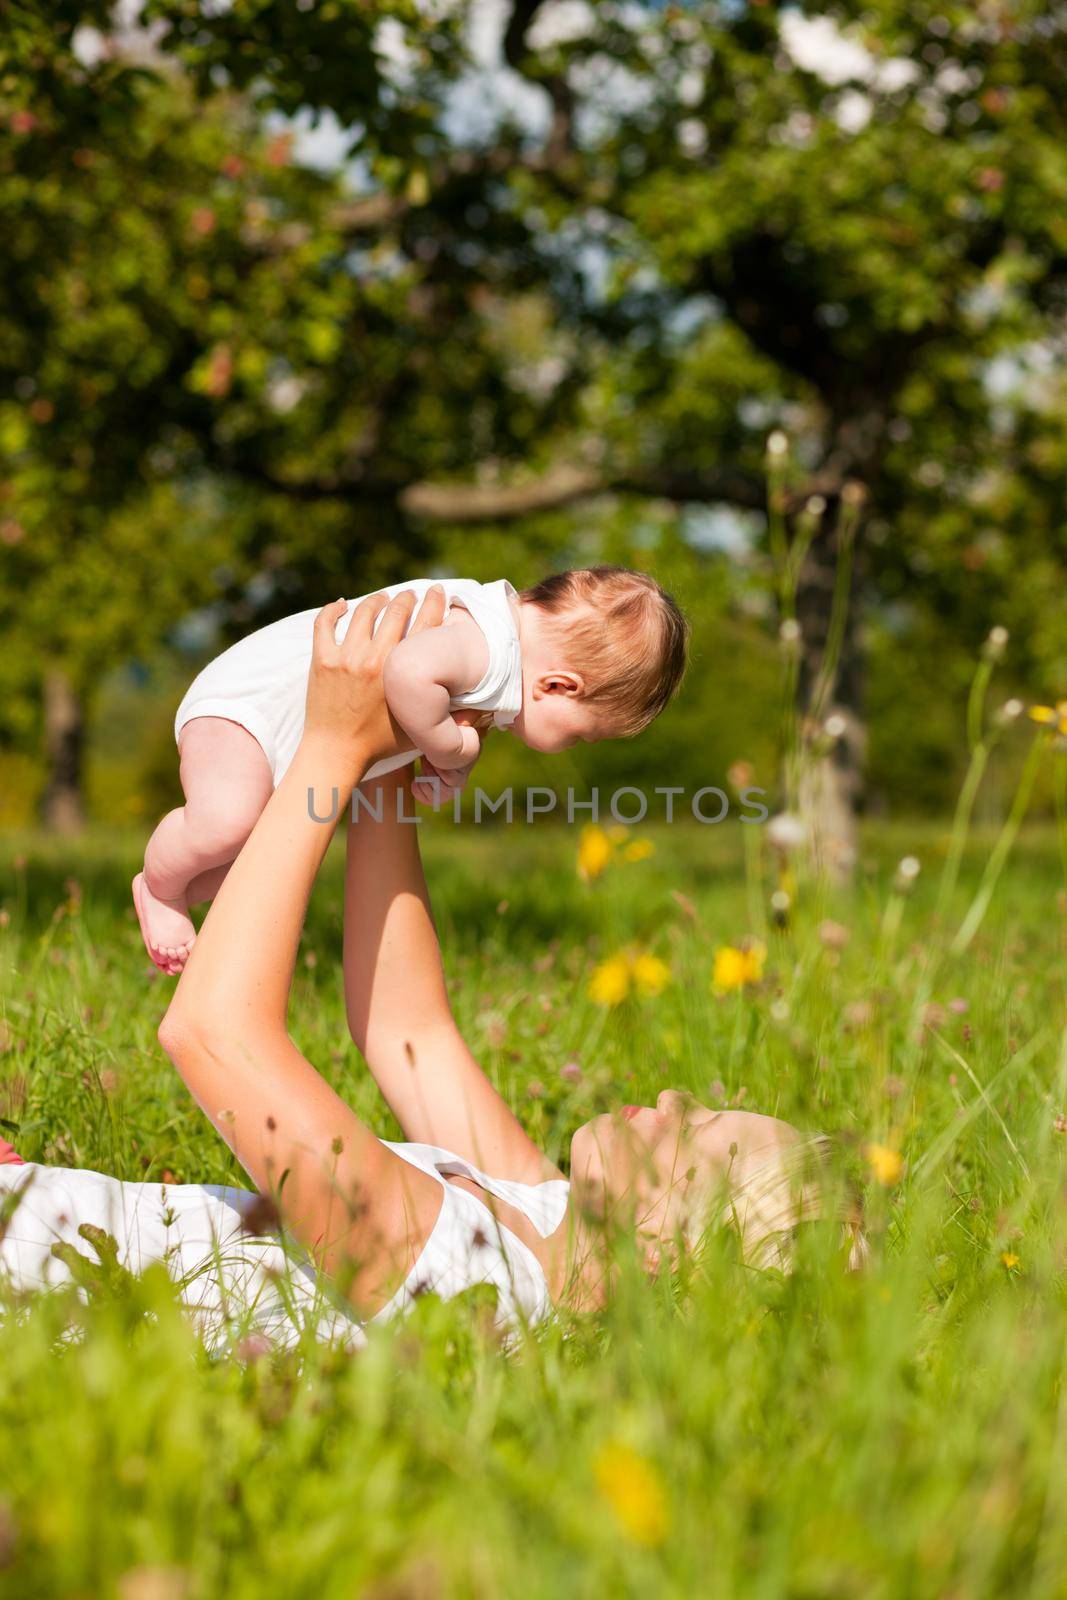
583 655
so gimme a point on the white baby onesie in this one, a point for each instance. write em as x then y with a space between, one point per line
261 681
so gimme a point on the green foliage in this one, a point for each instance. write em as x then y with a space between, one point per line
892 1434
228 379
292 57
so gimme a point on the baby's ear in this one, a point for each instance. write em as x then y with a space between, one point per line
562 681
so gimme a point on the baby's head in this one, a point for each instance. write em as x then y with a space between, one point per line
603 650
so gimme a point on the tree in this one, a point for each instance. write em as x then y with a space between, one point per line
127 232
837 233
842 253
711 233
171 289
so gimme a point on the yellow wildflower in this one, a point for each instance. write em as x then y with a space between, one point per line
650 974
734 967
1054 717
1010 1260
885 1164
594 852
638 850
634 1490
610 983
614 978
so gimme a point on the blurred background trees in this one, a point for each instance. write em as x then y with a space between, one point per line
304 295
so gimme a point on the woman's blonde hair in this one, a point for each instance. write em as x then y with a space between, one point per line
766 1204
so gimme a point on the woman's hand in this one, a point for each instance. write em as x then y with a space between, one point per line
346 712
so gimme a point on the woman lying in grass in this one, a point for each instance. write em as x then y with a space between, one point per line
470 1200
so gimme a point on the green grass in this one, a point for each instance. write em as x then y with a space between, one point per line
902 1432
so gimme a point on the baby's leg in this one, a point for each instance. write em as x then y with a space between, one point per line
227 781
207 885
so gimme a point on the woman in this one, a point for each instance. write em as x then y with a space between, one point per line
470 1198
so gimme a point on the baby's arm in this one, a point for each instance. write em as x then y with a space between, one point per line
421 676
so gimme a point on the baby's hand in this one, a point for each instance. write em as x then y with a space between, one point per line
436 785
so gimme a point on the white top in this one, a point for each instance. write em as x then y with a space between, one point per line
468 1245
234 1281
261 681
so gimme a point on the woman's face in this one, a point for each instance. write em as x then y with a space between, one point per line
654 1169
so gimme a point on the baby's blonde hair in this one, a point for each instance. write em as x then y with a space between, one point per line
767 1204
628 636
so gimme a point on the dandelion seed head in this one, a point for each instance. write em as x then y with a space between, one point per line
996 643
907 871
786 832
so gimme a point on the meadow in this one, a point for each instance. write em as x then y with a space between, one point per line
896 1432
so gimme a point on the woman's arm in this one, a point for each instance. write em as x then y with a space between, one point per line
398 1007
358 1207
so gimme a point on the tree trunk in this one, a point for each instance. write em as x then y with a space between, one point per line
833 732
63 802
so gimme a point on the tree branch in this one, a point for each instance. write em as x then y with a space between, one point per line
474 502
517 54
522 15
565 485
560 486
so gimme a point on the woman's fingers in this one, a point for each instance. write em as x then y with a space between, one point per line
364 617
394 623
432 611
345 698
326 623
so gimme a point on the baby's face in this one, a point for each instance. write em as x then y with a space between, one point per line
553 719
556 712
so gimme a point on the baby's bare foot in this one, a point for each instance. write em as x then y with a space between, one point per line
166 927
